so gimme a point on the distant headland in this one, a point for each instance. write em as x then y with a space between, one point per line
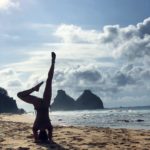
62 102
86 101
8 104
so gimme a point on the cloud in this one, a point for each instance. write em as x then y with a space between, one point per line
6 4
112 62
88 75
144 27
11 81
75 34
14 83
135 48
8 74
120 82
80 77
133 76
131 42
123 79
146 74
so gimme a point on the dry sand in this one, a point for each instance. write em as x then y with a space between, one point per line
16 134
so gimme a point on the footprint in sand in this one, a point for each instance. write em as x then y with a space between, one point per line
23 148
30 136
2 140
147 139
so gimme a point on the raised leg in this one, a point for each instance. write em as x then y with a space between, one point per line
48 88
25 95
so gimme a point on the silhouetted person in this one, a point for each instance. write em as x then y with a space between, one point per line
42 127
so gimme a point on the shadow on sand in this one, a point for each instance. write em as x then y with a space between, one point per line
51 146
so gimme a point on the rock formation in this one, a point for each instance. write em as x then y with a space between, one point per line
8 104
63 101
88 100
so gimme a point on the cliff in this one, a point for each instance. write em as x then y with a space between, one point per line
8 104
63 101
86 101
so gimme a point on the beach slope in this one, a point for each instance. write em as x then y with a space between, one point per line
16 134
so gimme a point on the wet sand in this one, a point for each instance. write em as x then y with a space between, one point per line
16 134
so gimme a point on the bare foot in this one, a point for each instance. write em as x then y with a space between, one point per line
53 56
37 87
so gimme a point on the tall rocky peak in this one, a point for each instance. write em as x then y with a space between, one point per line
88 100
61 93
8 104
63 101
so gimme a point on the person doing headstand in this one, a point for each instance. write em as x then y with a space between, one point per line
42 127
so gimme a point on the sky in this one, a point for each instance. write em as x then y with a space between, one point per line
101 45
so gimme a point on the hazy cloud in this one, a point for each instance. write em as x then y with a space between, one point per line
75 34
6 4
14 83
122 79
112 62
131 42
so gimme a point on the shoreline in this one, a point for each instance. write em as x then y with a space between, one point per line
16 134
28 118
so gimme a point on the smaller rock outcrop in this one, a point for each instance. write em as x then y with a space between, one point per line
88 100
63 101
8 104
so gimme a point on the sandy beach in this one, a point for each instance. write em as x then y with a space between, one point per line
16 134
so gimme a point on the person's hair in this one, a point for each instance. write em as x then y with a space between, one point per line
43 135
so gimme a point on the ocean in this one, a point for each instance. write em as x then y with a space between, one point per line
131 118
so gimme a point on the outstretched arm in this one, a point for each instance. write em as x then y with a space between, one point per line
48 88
25 95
